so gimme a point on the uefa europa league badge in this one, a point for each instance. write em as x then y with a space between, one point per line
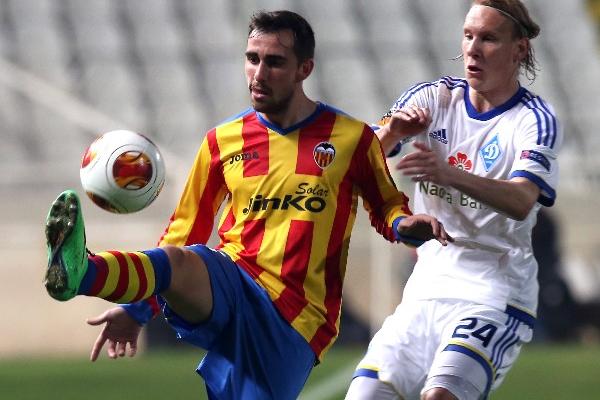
324 154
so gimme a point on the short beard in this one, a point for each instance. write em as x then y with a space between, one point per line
277 107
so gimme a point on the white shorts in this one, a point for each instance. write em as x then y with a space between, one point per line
427 344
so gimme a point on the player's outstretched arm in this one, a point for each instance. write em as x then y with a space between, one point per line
424 227
120 330
514 198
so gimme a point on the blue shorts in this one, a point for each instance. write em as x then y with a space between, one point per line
253 353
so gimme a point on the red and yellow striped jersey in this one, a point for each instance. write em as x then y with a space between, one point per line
290 203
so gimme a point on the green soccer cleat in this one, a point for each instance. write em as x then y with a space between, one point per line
67 254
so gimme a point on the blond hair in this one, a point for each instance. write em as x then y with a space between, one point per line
524 27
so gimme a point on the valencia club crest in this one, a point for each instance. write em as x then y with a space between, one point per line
324 153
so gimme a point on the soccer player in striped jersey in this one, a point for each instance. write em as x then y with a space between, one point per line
485 162
266 302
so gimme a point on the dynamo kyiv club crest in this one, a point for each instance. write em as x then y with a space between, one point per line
490 153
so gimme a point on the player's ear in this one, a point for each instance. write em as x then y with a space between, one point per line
305 69
522 49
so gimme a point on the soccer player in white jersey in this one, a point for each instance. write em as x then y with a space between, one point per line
485 162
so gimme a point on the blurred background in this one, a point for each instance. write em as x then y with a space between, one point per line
172 69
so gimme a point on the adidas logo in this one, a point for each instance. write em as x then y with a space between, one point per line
439 135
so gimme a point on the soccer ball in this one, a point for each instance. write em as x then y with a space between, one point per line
122 171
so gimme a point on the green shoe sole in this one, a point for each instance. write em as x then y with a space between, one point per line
67 256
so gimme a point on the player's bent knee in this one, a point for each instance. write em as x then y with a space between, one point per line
189 293
364 388
186 265
449 387
176 256
438 394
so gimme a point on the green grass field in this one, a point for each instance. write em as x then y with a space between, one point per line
544 373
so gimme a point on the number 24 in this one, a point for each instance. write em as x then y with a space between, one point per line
485 333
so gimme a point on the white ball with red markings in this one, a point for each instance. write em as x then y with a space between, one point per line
122 171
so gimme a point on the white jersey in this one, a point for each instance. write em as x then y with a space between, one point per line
492 261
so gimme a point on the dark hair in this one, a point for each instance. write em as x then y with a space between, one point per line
524 27
275 21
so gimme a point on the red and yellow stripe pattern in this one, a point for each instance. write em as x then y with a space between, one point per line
289 214
122 277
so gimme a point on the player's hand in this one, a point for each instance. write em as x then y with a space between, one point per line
120 330
425 165
408 121
424 227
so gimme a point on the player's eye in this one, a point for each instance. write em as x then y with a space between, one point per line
252 58
274 63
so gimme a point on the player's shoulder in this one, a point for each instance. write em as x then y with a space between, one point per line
451 82
537 116
342 115
445 82
450 87
230 127
444 87
328 108
534 105
236 117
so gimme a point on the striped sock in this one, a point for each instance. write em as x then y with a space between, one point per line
126 277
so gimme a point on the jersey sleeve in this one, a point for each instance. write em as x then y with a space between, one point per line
382 200
537 142
419 95
204 192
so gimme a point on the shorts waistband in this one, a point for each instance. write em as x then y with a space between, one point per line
521 315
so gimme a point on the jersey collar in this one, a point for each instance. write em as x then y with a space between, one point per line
298 125
486 116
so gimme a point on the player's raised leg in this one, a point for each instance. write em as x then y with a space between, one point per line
120 277
116 276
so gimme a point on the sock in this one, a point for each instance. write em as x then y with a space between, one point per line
126 277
